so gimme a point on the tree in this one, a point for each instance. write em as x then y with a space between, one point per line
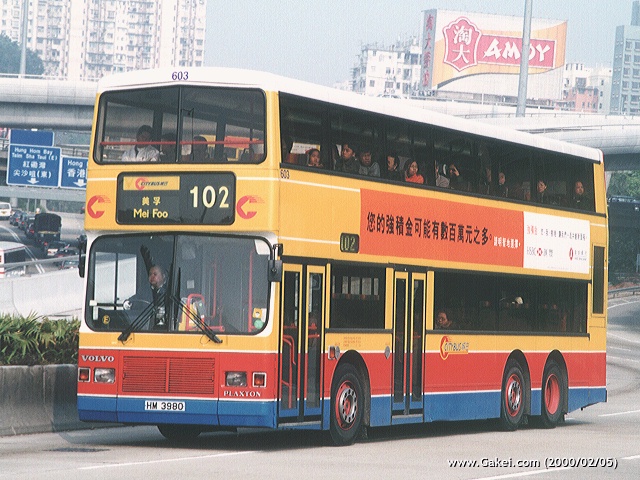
10 53
625 183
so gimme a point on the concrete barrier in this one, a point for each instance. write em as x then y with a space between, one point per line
52 294
38 399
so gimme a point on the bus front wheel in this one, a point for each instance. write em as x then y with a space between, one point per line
512 403
347 402
553 392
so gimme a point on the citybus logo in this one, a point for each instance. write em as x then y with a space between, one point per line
449 347
92 205
151 183
142 183
243 209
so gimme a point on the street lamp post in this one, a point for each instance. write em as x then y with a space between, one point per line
524 60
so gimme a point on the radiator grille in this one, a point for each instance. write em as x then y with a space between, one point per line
168 375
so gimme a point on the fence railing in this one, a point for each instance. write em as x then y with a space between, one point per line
616 292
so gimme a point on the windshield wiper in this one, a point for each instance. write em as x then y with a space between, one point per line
197 321
144 316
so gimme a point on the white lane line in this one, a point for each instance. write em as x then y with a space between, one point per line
166 460
628 412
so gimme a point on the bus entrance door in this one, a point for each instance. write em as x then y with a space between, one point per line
408 328
302 307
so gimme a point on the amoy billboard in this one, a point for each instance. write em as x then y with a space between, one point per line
459 44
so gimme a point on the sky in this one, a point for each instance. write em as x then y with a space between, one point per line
320 40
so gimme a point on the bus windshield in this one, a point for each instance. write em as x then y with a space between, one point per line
178 283
181 125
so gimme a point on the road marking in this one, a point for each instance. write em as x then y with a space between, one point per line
166 460
628 412
624 339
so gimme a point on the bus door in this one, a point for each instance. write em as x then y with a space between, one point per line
409 295
302 310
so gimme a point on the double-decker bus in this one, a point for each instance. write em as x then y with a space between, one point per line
263 292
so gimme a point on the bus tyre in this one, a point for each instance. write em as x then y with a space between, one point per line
347 402
553 392
512 401
179 433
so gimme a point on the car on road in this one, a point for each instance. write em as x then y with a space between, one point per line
5 210
52 248
15 216
66 253
30 230
25 220
69 263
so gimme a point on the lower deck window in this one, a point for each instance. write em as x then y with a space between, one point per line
357 297
508 304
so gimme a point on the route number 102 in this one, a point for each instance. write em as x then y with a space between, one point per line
209 196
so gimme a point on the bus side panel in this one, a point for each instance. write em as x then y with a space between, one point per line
378 367
466 385
463 385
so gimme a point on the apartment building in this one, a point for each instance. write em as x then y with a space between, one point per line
87 39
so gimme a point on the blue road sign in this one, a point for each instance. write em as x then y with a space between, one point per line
32 165
32 137
74 172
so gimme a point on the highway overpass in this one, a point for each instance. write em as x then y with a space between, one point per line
67 105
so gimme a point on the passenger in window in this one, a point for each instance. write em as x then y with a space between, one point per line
579 199
441 180
443 322
502 190
456 181
168 147
142 151
313 158
392 172
411 174
541 192
367 166
348 162
286 144
200 150
486 183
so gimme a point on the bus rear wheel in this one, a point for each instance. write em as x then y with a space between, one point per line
180 433
553 393
512 403
347 402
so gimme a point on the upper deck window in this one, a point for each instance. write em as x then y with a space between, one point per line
181 125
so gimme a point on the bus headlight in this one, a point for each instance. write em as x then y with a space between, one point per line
104 375
236 379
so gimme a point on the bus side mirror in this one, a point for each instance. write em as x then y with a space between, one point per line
275 271
275 265
82 250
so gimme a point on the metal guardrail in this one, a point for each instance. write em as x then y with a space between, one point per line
624 291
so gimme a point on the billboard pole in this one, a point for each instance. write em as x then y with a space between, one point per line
524 60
